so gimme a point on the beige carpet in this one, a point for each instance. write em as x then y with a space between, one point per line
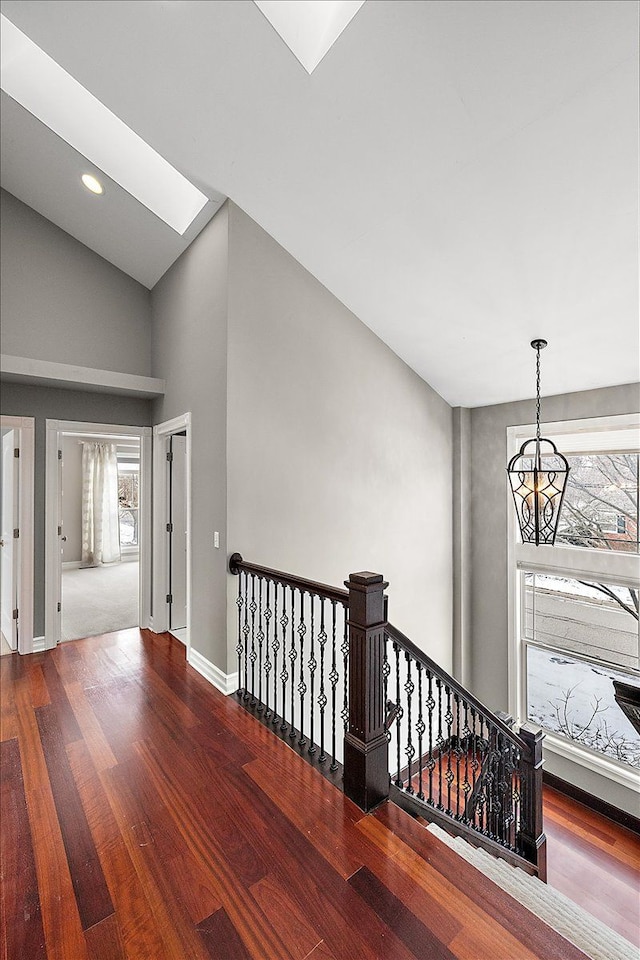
4 645
99 600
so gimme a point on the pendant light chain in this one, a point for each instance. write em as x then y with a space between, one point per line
538 393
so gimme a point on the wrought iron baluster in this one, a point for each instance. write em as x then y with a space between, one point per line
246 630
252 656
440 742
268 613
458 751
284 675
312 665
386 670
502 788
449 774
275 646
302 686
482 794
333 679
399 712
409 749
260 707
431 761
466 737
322 696
239 645
517 812
509 802
491 781
474 767
420 728
292 659
345 671
492 797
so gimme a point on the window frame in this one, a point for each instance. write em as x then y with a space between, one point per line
592 435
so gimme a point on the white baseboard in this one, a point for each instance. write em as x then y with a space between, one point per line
224 682
72 564
39 644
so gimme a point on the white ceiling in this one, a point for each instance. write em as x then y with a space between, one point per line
462 175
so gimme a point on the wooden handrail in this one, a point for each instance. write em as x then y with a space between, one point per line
421 657
335 594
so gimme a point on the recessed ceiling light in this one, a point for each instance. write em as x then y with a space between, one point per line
309 27
46 90
92 184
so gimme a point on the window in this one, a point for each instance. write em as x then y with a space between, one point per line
600 506
574 606
128 496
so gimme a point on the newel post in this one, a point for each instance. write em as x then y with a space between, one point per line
366 768
534 842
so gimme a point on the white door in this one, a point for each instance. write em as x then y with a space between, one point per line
178 533
9 547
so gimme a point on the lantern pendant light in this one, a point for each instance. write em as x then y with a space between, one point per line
538 479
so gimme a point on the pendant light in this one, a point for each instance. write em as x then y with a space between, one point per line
538 478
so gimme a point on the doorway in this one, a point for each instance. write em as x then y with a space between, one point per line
177 531
16 535
9 544
97 529
172 528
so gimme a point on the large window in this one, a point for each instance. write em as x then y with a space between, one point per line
128 496
574 606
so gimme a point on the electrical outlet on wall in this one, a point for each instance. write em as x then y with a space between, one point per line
216 540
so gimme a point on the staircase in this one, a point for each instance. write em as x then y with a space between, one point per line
325 670
586 932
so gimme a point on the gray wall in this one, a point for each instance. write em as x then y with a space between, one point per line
489 618
190 352
46 403
339 456
60 301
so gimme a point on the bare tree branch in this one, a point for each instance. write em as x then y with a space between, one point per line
603 588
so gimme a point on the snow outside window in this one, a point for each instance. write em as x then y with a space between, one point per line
574 606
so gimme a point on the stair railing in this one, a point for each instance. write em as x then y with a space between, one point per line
455 762
292 655
323 668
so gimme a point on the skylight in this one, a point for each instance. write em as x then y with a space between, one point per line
46 90
309 27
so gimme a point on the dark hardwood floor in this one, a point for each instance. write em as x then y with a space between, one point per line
594 862
144 815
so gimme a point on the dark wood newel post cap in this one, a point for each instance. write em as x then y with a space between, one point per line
365 579
366 598
531 731
234 560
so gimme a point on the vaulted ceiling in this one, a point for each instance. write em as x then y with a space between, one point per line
462 175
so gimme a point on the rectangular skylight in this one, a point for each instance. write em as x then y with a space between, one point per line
46 90
309 27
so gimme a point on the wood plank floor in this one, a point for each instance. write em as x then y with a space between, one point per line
144 815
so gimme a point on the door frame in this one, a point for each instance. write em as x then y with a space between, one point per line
25 427
56 429
162 433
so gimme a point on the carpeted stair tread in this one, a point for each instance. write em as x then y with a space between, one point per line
586 932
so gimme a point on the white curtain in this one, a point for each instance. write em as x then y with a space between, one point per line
100 506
